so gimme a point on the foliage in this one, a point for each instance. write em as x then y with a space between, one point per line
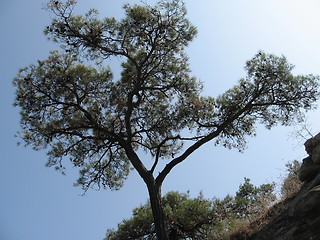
291 183
79 111
251 201
198 218
71 105
238 211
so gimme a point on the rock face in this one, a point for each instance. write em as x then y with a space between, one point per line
311 165
298 217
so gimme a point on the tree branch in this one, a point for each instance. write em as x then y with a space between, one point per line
160 178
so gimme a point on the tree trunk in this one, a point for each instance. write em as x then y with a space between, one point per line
159 216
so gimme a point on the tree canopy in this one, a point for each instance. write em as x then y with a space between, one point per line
71 104
77 109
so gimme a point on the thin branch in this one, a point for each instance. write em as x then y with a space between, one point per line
99 173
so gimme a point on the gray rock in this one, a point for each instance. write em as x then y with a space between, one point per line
313 148
311 165
308 170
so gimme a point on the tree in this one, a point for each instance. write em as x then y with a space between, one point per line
250 201
71 105
235 212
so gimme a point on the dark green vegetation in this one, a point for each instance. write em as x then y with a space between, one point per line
71 105
199 218
233 217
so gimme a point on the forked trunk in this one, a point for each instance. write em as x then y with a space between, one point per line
159 216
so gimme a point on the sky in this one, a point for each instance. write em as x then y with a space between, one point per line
38 203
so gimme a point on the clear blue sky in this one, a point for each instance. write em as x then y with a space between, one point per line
38 203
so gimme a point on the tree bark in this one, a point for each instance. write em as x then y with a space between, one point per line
159 216
154 190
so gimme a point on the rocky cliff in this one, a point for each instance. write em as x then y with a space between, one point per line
298 217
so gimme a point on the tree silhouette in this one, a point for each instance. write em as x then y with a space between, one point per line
71 105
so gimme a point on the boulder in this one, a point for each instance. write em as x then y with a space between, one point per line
311 165
313 148
308 170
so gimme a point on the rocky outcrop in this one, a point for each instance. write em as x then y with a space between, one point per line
298 217
311 165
